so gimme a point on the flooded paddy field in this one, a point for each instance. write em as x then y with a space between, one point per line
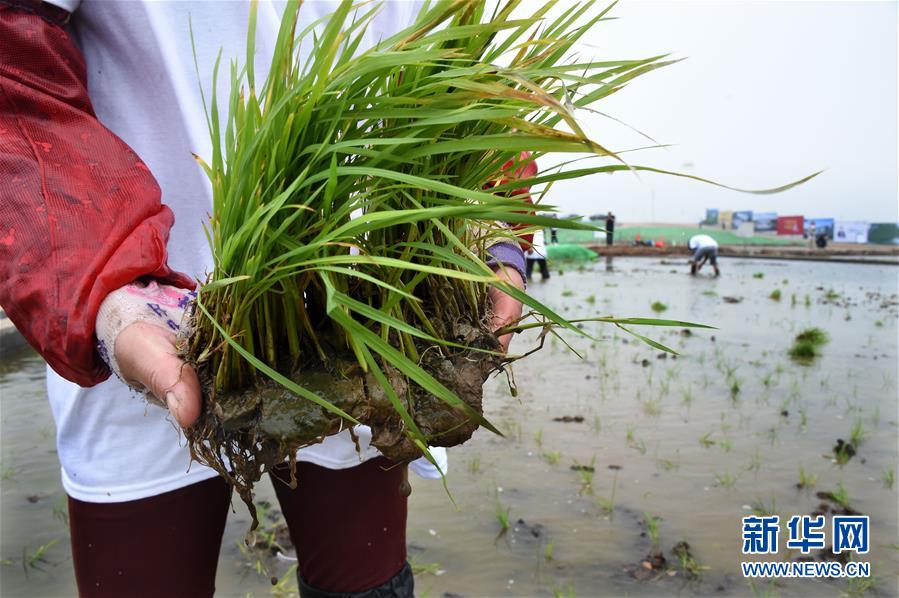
622 473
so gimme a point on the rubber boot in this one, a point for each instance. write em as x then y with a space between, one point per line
401 585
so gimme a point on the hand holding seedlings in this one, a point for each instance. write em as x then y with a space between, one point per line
148 358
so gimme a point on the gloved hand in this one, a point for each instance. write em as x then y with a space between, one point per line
137 328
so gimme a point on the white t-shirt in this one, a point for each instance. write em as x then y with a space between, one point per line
112 446
701 242
537 251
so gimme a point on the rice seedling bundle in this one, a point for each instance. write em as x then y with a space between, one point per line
355 196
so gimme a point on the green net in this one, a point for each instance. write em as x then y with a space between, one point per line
569 253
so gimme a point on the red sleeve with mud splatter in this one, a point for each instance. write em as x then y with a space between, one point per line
80 214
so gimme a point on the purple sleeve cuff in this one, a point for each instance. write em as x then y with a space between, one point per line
508 254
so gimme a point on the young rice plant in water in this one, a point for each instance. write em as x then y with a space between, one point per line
355 195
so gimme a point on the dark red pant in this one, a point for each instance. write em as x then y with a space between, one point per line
348 526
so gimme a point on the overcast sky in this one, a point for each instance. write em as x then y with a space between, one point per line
770 92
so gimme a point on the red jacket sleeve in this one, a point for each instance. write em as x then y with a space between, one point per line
80 214
525 168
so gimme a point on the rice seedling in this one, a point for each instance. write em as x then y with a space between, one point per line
773 434
286 585
7 473
513 430
725 480
566 593
770 590
725 425
652 530
888 478
420 567
759 275
808 301
664 387
793 300
840 496
608 504
633 442
706 440
355 197
686 562
859 586
61 510
762 509
638 444
795 391
474 465
502 517
252 559
687 397
729 370
549 549
807 480
831 295
755 462
815 336
567 293
858 433
843 452
552 457
596 426
658 307
775 295
652 407
669 464
37 558
807 344
725 443
590 299
538 437
585 474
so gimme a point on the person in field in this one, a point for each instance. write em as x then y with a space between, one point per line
536 254
610 228
100 110
705 249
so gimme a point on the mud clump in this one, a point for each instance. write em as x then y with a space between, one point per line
569 419
242 434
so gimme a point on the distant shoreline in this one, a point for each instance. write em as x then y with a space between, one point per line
844 253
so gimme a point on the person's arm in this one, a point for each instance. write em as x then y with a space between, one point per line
80 213
506 257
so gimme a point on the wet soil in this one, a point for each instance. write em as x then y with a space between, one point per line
647 420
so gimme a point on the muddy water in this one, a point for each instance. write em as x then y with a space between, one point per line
694 448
